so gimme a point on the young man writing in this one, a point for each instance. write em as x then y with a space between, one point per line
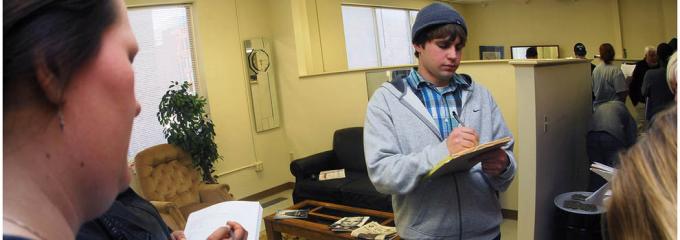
414 122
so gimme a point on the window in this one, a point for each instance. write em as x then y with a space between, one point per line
377 37
166 54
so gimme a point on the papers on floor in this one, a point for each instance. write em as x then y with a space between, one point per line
347 224
332 174
204 222
297 213
374 230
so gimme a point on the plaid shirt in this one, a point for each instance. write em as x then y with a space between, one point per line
441 103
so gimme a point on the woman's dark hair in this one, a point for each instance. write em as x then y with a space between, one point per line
56 37
449 31
607 53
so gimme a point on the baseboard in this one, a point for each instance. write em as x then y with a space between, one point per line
269 192
509 214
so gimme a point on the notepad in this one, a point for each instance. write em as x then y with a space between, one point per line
204 222
464 160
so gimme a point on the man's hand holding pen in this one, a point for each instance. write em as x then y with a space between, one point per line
461 138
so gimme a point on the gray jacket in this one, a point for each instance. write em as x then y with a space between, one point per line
402 144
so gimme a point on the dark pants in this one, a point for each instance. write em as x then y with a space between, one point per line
603 148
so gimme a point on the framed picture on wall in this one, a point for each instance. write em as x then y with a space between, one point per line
491 52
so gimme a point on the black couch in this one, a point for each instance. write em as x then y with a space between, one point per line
354 190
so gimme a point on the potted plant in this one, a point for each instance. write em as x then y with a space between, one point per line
188 126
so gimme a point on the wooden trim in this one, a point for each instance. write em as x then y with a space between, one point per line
161 3
269 192
355 4
546 62
509 214
370 69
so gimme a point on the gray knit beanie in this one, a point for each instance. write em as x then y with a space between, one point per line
434 14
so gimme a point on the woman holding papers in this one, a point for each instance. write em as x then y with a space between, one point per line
68 109
644 200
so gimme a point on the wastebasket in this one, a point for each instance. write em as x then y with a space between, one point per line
576 223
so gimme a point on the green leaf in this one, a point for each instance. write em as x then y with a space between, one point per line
187 125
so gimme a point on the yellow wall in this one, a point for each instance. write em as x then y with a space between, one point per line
307 38
499 78
644 23
220 27
510 23
670 18
317 106
630 24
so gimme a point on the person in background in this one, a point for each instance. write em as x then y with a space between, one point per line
415 122
674 44
68 108
654 85
532 53
580 53
672 75
609 83
611 130
641 67
644 199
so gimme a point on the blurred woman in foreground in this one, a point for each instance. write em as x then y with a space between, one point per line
643 202
68 109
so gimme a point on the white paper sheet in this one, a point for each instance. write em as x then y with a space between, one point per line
332 174
627 70
203 222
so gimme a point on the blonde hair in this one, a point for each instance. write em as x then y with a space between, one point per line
649 49
670 73
643 202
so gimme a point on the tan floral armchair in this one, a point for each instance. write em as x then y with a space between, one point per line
169 181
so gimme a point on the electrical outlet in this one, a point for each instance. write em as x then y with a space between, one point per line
259 166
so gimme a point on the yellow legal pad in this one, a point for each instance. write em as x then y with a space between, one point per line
465 159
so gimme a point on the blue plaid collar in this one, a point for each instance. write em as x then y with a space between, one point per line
417 82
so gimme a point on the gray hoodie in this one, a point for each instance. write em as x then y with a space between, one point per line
402 144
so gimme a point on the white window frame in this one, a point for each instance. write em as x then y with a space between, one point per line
374 9
198 86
